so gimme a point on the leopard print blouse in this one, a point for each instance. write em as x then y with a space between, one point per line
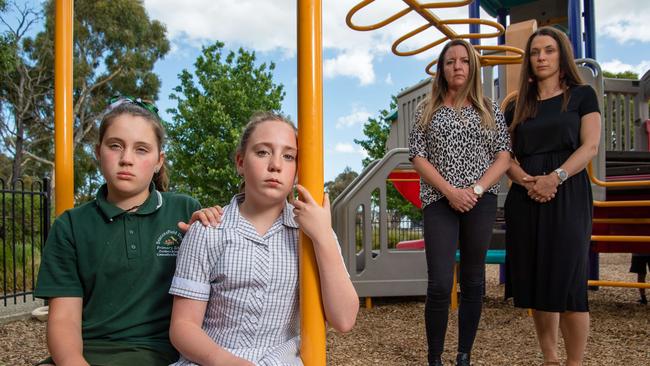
456 144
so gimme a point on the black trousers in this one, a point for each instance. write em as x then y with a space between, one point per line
444 230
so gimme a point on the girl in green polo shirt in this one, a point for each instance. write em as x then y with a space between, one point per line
107 265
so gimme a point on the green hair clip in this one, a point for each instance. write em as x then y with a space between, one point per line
117 100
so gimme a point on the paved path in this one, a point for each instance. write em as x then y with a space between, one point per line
19 310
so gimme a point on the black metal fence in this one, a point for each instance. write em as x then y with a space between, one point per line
25 221
402 228
399 228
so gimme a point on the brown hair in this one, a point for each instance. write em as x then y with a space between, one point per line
473 90
255 120
526 106
160 179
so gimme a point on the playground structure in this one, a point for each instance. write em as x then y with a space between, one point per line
620 173
442 25
310 138
375 271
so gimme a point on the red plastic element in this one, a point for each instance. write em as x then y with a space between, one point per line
407 184
417 244
624 178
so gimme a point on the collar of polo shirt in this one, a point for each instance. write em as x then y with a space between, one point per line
110 211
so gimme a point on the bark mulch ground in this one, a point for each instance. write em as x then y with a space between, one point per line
392 332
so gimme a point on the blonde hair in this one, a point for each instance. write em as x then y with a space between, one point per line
255 120
472 90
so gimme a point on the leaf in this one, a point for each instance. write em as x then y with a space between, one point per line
213 105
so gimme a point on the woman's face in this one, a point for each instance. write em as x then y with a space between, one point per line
545 57
456 67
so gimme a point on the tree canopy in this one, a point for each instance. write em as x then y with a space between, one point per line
213 105
341 182
116 45
621 75
376 131
7 46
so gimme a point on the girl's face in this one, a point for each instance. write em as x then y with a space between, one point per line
269 162
128 157
456 67
544 57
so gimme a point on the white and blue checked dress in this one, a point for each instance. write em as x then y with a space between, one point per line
250 283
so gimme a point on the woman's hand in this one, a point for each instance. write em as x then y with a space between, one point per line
210 216
526 181
543 188
314 220
461 199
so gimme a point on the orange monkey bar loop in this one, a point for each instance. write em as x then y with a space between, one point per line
63 125
442 25
310 173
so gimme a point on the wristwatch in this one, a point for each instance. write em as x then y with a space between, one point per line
562 174
478 190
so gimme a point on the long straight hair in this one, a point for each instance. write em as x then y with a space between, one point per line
472 90
526 106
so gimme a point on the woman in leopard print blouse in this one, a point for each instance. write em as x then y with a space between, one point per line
460 147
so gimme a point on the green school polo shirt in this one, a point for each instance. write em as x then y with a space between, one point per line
121 264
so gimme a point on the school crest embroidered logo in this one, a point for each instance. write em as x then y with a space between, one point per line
167 243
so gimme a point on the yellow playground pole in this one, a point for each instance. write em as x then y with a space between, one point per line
63 126
310 173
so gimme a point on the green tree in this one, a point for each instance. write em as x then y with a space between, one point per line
342 181
621 75
7 45
7 53
23 84
213 105
115 48
376 131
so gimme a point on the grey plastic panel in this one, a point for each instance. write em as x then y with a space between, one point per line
385 272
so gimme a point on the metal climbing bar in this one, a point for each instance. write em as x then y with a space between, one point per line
310 173
442 25
627 183
63 122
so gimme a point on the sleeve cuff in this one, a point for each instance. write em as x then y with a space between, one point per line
190 289
50 292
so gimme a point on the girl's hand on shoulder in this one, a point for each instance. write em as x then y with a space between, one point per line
210 217
461 199
313 219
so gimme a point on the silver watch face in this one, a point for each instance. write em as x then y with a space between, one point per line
562 174
478 190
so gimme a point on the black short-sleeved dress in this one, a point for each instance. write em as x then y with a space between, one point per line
548 243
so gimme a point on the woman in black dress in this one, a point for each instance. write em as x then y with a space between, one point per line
555 128
460 147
